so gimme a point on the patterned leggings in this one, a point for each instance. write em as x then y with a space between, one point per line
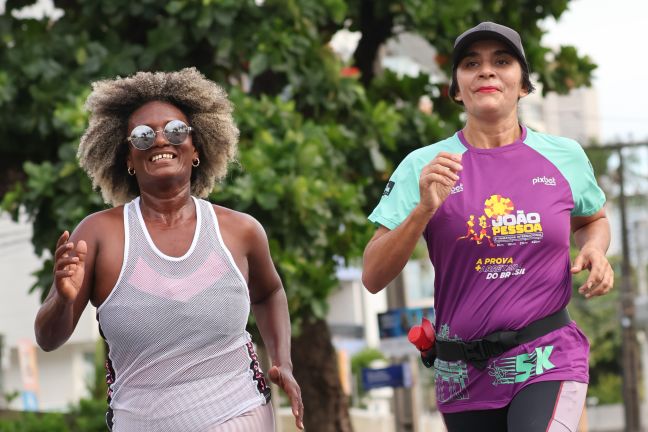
259 419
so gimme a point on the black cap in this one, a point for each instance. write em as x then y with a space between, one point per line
489 30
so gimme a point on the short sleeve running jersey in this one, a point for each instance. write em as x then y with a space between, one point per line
500 248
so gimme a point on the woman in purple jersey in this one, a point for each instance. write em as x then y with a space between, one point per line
172 276
495 204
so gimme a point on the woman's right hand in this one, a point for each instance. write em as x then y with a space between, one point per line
69 269
437 180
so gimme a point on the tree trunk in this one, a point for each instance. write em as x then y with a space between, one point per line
326 407
375 31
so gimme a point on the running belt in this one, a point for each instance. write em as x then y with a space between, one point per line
477 352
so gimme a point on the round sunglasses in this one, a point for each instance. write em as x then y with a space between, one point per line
142 137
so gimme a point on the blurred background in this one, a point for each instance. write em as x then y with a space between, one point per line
329 95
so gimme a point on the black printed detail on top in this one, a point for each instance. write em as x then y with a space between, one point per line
257 376
388 188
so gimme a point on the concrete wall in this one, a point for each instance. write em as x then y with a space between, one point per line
353 305
64 375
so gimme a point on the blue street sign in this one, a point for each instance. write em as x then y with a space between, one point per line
394 325
398 375
397 322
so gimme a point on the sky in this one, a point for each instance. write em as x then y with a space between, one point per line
613 34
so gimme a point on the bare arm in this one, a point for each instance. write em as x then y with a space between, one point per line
592 237
388 251
270 308
70 292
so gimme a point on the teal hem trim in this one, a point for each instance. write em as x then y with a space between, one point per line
597 208
391 225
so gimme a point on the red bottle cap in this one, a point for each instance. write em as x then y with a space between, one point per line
417 336
428 328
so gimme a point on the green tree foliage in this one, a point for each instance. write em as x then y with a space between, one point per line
31 422
317 145
598 317
86 416
360 129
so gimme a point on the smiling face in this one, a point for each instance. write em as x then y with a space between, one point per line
163 160
489 80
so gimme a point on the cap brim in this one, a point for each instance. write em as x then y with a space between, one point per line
459 50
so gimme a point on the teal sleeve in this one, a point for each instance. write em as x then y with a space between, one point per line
588 196
402 192
569 157
400 197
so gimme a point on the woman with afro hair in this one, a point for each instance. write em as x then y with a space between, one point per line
172 276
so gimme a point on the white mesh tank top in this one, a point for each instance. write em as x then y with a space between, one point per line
179 356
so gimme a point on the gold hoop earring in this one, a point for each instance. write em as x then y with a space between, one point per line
195 162
131 171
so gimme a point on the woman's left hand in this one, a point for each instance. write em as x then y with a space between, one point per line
601 277
284 378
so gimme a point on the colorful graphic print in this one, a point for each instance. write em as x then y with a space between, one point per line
451 378
503 225
497 205
517 369
499 267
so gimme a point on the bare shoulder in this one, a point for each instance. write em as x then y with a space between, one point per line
102 223
104 218
239 223
248 242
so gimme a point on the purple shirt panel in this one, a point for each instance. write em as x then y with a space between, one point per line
495 386
500 248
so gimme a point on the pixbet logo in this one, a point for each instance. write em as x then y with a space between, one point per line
549 181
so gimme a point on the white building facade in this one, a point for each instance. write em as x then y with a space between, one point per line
574 115
62 376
